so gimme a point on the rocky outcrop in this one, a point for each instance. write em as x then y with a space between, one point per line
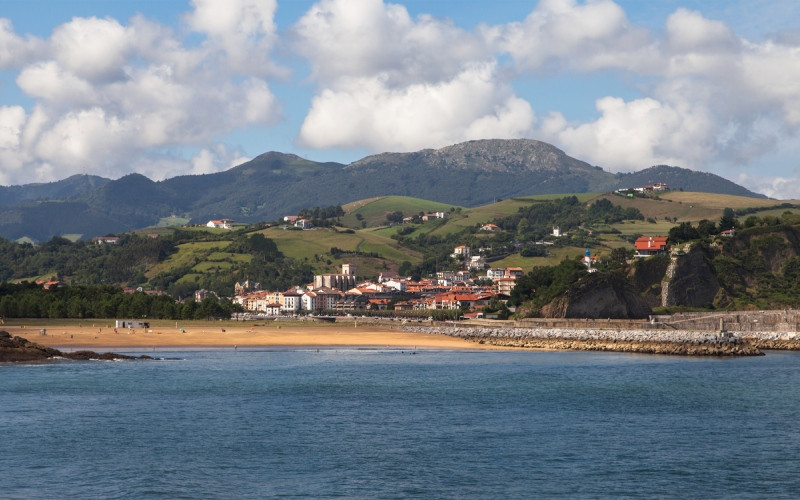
599 295
18 349
690 280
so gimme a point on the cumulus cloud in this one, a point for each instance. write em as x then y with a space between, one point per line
568 34
390 82
345 39
368 113
111 96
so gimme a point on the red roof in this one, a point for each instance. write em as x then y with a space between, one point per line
652 243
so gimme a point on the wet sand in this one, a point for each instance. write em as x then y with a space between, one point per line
99 335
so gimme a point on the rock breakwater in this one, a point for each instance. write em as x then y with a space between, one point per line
677 342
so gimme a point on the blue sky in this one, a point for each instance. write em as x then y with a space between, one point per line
173 88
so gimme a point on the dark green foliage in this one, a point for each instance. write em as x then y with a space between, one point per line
543 284
27 300
395 217
683 232
537 220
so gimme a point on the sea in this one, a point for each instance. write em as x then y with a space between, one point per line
394 423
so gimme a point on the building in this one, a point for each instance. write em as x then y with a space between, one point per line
344 281
461 251
650 245
106 240
490 227
557 231
245 287
220 223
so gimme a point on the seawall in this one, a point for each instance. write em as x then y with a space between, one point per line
676 342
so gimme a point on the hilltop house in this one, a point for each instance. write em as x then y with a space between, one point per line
220 223
105 240
650 245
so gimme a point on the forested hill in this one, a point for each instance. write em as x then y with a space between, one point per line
276 184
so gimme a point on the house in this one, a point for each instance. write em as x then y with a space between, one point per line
203 294
245 287
477 262
495 273
291 219
461 251
513 272
504 285
220 223
650 245
728 233
106 240
490 227
291 301
351 303
434 215
272 309
557 232
303 224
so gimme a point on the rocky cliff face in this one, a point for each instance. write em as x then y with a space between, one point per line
599 296
690 280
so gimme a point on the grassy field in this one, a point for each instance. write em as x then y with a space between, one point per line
172 221
191 255
555 256
306 244
374 210
718 201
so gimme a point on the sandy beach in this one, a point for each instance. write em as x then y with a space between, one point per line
101 334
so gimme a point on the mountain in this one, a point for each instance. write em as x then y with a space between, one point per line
276 184
59 190
683 178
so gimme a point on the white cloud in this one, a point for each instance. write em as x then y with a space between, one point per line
217 158
92 49
778 187
566 34
14 49
634 135
344 39
109 97
367 113
241 33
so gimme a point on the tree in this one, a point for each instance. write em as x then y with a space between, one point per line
728 220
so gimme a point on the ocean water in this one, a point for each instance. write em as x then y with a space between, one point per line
392 424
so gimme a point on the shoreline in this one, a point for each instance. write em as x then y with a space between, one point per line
210 336
370 335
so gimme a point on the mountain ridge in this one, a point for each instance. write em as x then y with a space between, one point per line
273 184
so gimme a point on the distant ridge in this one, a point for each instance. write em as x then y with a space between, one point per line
275 184
683 178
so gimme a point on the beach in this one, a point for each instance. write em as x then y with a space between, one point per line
101 334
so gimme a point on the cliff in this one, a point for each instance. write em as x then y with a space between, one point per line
599 295
690 280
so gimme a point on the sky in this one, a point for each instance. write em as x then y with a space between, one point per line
168 88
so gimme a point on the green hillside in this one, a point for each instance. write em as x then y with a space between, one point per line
373 211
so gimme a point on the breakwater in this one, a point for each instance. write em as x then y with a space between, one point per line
677 342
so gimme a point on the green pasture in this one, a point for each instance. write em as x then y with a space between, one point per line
718 201
659 228
188 254
172 221
555 255
306 244
374 210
